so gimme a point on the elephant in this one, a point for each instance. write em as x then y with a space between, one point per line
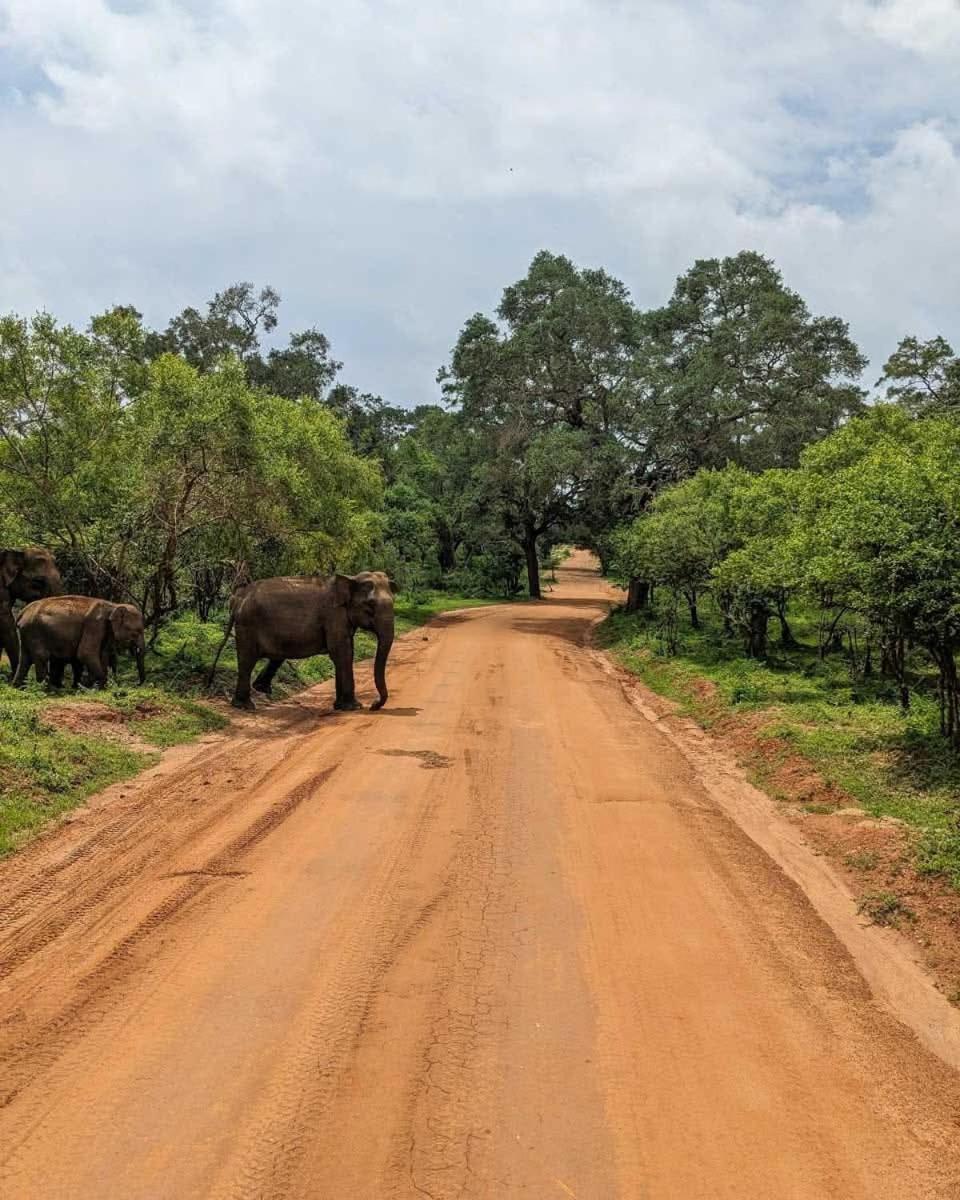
25 575
79 630
297 617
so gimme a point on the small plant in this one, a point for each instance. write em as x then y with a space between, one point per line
884 908
861 860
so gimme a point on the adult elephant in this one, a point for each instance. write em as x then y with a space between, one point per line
25 575
298 617
79 630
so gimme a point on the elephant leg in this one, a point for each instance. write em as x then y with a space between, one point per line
94 665
246 661
9 637
57 668
77 667
346 692
264 681
24 663
41 665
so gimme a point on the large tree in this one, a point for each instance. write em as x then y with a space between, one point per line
736 369
549 386
923 377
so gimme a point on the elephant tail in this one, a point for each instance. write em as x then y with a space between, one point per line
226 638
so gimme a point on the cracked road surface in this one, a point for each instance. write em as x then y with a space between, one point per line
496 941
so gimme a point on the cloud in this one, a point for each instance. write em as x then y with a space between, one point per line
925 26
390 166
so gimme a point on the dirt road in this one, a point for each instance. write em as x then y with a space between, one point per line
495 942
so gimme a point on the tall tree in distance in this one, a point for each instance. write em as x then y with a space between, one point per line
736 369
548 386
923 377
234 322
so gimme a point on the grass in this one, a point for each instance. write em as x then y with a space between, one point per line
893 764
46 769
884 908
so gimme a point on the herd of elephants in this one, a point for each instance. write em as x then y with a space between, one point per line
273 619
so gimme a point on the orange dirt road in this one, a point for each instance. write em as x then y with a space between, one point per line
495 941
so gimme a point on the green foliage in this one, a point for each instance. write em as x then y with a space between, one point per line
924 377
544 389
737 370
867 525
158 481
884 908
891 762
45 769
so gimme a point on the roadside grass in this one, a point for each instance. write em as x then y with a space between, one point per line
884 908
56 750
851 729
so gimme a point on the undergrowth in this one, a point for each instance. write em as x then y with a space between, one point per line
893 764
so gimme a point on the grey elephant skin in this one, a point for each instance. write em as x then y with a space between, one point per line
300 616
82 631
25 575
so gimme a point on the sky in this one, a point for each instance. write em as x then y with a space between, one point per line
391 166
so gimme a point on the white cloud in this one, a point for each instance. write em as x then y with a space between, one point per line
925 26
391 166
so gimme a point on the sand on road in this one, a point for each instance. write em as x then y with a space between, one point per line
495 941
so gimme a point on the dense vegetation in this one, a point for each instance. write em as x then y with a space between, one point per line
162 467
718 453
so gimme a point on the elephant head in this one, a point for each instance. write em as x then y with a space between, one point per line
369 601
127 631
29 574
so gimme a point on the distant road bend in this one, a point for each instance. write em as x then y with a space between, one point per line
494 942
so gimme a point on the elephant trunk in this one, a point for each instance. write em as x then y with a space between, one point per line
384 643
139 654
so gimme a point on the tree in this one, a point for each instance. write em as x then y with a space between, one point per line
923 377
530 484
879 530
374 427
736 369
758 576
233 324
684 536
304 368
64 466
552 376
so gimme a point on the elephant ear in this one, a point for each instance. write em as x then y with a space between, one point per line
118 621
11 563
343 588
96 630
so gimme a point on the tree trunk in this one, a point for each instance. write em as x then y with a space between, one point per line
893 662
446 551
948 688
831 641
533 566
725 604
638 595
759 616
787 640
692 605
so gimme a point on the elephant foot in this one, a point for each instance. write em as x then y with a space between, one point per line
377 704
347 705
263 688
246 704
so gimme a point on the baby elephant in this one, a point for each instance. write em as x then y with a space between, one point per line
79 630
